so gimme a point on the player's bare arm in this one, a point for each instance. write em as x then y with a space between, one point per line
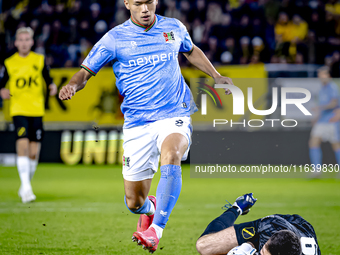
77 82
223 241
198 59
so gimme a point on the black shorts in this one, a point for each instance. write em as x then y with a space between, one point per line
247 232
29 127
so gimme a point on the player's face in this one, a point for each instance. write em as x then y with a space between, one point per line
324 77
142 11
24 43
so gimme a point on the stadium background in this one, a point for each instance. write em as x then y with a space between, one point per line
260 41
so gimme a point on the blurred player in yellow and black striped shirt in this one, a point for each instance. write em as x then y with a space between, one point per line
23 84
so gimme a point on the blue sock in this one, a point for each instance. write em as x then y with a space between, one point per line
144 209
337 156
168 190
315 155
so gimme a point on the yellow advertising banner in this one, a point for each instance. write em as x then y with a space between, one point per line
99 102
105 146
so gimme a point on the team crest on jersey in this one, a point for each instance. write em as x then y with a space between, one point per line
248 232
169 37
126 161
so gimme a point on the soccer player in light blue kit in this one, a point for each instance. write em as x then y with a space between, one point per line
157 107
325 129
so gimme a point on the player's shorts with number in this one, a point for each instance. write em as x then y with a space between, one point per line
28 127
142 146
328 132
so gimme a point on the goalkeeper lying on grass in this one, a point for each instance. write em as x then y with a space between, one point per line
272 235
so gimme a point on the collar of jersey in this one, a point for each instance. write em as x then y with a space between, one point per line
146 28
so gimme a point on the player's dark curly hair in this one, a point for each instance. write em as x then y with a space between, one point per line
284 242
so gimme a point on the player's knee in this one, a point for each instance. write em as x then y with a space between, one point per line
313 142
133 204
310 143
22 148
172 157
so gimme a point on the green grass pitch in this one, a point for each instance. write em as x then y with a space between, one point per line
80 210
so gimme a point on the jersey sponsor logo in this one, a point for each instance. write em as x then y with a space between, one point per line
248 232
133 44
21 82
21 131
169 37
179 123
184 105
153 59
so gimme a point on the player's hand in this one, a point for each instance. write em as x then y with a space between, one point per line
224 80
244 249
53 89
67 92
4 93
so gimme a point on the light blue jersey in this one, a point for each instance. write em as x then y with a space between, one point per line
145 63
326 95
